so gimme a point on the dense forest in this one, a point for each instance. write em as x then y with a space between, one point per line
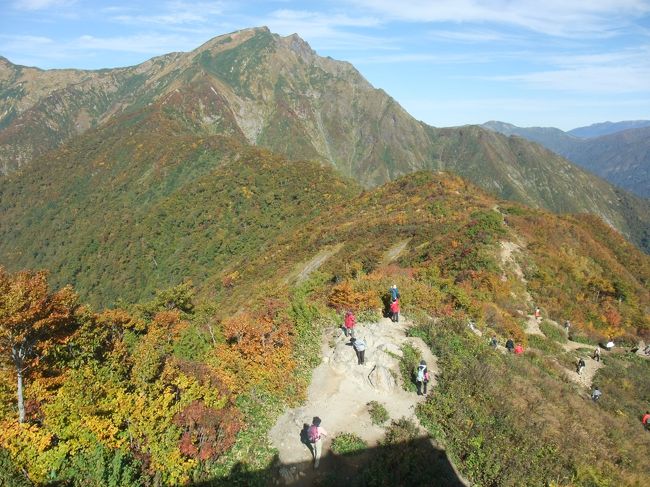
180 385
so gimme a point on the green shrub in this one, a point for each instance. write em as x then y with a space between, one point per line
544 344
378 413
369 315
552 332
400 431
408 365
347 443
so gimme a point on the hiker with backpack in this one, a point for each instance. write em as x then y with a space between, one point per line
580 365
394 293
394 311
595 394
422 378
315 434
510 345
360 348
596 355
348 323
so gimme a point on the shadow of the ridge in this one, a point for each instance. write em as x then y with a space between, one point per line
415 463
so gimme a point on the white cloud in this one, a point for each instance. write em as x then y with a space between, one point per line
323 30
24 44
175 13
472 36
40 4
552 17
587 79
150 44
422 59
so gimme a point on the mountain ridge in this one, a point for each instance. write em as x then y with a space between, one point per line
277 93
622 158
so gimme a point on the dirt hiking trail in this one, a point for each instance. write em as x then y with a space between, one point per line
340 390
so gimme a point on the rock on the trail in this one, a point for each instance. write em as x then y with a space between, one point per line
383 378
378 371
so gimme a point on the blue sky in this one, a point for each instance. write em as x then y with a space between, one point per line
561 63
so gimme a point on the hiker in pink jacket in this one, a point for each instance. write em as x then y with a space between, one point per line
316 433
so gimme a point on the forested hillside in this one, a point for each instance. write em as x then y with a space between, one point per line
180 388
277 93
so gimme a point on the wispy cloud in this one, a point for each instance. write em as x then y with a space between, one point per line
150 44
40 4
552 17
24 43
623 71
588 79
472 36
327 30
173 14
422 59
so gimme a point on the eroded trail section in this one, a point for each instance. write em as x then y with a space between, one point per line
340 390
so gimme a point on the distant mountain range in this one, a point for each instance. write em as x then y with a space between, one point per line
606 128
621 155
95 158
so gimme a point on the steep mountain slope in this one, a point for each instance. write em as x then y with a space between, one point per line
622 157
606 128
139 205
276 93
161 390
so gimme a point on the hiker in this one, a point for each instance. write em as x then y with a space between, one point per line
580 365
315 434
494 342
349 323
422 378
596 355
394 311
538 313
510 345
645 420
519 349
360 348
394 293
595 395
567 326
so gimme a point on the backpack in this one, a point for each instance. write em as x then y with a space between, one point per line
420 376
313 434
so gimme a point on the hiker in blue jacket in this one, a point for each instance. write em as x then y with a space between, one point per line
394 293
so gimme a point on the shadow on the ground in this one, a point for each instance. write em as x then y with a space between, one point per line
413 463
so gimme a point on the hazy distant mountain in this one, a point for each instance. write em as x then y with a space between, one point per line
257 88
606 128
622 158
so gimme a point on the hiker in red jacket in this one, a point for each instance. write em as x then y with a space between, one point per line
645 420
519 349
394 311
349 323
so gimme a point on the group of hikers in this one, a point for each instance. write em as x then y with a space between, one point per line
517 349
350 321
315 432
